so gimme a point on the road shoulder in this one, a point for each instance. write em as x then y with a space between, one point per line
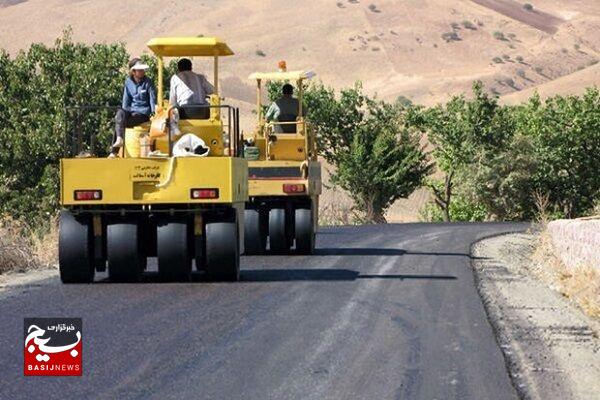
551 348
21 280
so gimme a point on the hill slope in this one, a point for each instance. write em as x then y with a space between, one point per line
423 49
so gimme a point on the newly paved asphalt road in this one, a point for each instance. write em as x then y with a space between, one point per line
381 312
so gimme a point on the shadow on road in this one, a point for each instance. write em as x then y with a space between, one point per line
291 275
367 251
286 275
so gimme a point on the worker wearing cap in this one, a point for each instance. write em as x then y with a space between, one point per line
139 102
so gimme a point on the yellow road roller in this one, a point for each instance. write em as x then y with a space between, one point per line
284 175
119 211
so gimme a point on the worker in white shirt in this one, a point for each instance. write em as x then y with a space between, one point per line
188 93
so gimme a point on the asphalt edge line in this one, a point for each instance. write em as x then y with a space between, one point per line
496 329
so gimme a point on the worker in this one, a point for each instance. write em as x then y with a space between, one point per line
188 93
139 102
285 109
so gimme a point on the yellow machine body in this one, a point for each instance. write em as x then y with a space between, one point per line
267 178
154 180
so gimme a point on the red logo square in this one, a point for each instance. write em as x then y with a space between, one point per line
53 346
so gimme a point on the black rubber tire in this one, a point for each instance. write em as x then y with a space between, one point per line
305 231
173 252
75 249
126 260
222 251
255 237
278 238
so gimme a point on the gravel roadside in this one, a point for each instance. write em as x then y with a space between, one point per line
13 282
551 348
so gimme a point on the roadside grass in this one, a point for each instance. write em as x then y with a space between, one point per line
22 250
580 285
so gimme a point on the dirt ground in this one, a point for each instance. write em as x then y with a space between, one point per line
552 349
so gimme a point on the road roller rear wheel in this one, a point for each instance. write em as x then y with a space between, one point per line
278 238
75 250
305 233
173 251
255 237
222 251
126 260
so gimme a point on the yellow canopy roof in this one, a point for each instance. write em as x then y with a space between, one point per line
189 47
282 76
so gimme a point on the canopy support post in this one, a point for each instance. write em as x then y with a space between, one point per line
216 75
160 83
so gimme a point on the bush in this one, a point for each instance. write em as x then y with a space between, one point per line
461 209
451 37
528 6
469 25
22 249
373 8
500 36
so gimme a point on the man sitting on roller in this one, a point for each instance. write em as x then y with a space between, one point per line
285 109
188 89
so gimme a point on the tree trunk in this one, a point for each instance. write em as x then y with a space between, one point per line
379 216
442 199
374 214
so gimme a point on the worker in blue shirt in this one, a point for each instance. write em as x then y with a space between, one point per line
139 102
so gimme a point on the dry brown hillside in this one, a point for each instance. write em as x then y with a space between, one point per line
575 83
423 49
426 50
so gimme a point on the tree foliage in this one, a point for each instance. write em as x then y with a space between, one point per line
502 155
378 158
39 89
36 89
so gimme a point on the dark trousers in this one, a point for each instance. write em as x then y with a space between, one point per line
194 112
127 119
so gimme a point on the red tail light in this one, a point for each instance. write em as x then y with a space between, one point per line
294 188
82 195
204 193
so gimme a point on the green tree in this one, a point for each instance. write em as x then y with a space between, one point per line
565 136
36 88
377 158
462 131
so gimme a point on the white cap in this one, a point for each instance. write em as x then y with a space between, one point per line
140 65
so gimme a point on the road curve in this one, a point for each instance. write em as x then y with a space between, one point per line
381 312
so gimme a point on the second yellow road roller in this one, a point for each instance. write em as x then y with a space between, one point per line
283 170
